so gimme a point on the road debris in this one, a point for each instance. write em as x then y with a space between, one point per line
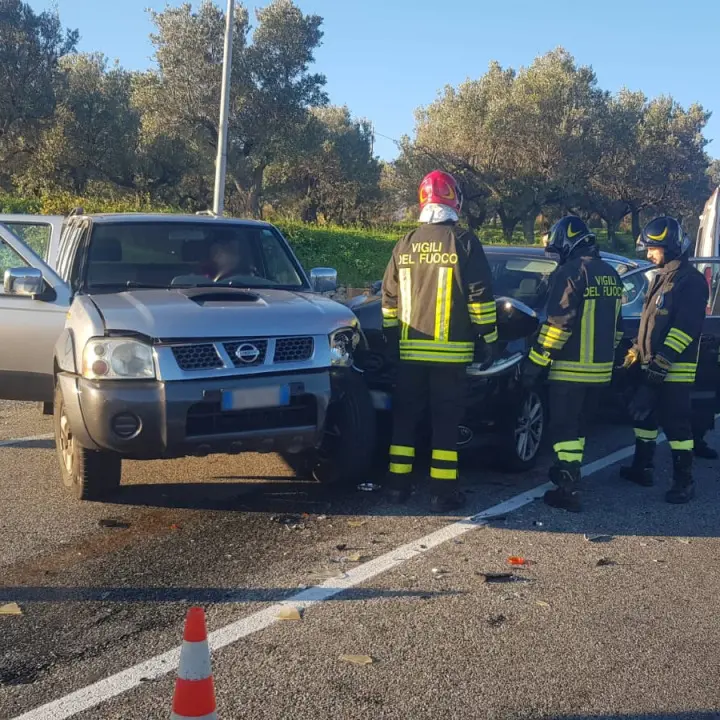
517 561
11 609
114 523
368 487
599 538
355 557
357 659
496 620
492 577
542 603
605 562
439 572
341 546
356 523
289 613
322 517
174 526
684 541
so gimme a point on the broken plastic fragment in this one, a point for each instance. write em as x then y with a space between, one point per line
684 541
11 609
497 577
496 620
542 603
357 659
174 526
599 538
517 560
355 557
356 523
605 562
341 546
114 523
289 613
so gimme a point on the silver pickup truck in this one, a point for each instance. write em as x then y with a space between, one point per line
161 336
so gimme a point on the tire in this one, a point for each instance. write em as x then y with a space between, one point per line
86 474
524 437
347 452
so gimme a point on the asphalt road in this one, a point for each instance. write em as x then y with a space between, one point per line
621 628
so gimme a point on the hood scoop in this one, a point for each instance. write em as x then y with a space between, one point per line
221 296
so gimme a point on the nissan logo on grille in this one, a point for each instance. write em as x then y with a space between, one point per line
247 353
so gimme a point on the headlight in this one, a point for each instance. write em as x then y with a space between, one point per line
342 345
118 359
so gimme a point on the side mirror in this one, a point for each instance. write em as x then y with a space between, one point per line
23 281
323 279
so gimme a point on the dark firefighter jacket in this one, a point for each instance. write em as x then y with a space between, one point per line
672 319
583 325
437 293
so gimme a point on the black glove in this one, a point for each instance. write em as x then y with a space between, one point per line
532 374
643 404
658 369
484 354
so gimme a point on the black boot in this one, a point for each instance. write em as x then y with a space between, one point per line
683 487
641 470
445 497
703 450
567 495
398 488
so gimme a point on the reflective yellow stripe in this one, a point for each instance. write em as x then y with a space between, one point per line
674 344
580 377
443 474
539 359
443 357
491 337
570 456
400 469
450 455
683 337
402 451
405 280
577 445
683 367
582 443
482 307
570 365
690 378
389 312
682 373
645 435
552 343
554 332
587 332
681 444
443 304
390 323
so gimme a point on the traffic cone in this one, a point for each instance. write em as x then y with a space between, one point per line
194 689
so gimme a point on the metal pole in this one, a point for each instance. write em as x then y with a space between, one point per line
221 162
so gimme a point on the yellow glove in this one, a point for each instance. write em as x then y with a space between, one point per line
631 358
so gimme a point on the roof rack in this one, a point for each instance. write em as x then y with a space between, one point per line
76 211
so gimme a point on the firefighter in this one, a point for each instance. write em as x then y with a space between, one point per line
666 354
575 348
439 314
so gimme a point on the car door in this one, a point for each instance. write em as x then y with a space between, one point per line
41 233
708 375
31 323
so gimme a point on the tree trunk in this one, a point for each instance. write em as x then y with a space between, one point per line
636 230
509 223
529 228
255 195
475 221
612 226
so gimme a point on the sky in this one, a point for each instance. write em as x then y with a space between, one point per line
384 58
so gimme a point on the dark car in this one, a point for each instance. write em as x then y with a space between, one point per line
499 411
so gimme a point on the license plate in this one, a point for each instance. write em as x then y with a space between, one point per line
252 398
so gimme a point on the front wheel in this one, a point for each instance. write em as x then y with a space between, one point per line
87 474
347 451
524 437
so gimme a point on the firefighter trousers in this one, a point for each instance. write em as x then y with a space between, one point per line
439 388
570 407
673 412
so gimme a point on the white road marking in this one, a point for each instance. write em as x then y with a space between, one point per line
21 441
158 666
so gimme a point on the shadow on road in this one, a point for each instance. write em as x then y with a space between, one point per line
198 595
691 715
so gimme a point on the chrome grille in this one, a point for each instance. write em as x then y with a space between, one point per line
232 348
197 357
293 349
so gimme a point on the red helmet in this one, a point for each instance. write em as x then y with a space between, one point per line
440 188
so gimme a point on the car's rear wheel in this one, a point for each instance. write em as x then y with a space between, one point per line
87 474
524 437
347 451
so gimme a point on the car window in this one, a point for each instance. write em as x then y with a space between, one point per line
176 254
711 273
8 259
524 279
35 235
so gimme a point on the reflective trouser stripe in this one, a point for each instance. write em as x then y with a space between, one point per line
570 450
444 465
681 444
539 359
645 435
402 451
401 468
399 456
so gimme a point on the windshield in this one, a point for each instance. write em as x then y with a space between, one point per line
168 254
524 279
